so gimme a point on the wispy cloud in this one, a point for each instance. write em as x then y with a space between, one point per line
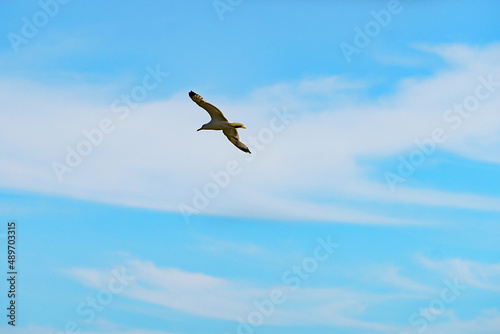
220 246
212 297
487 322
390 274
154 159
208 296
476 274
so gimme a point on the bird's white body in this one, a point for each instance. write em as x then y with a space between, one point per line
220 125
219 122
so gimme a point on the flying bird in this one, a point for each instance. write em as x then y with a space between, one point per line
220 122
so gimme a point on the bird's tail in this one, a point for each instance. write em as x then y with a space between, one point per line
238 125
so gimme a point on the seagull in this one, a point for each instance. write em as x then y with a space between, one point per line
220 122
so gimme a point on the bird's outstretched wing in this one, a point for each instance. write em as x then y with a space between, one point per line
214 112
234 138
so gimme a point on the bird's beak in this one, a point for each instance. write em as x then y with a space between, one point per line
198 129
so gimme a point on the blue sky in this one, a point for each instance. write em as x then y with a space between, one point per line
370 203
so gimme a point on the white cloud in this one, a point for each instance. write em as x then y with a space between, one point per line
88 277
202 295
390 274
488 322
155 158
219 246
212 297
472 274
